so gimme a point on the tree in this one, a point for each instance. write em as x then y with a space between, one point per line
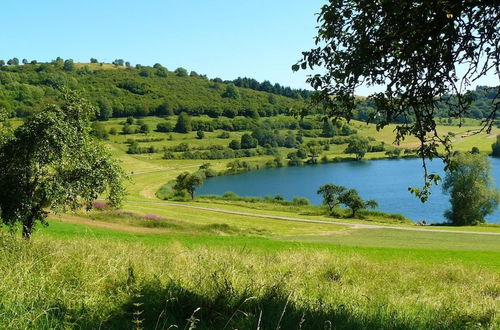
188 182
93 60
25 61
144 128
164 127
248 142
328 129
200 134
69 65
352 200
231 92
471 189
13 61
105 109
183 124
496 148
181 72
359 146
118 62
235 145
413 50
164 109
51 162
99 131
331 193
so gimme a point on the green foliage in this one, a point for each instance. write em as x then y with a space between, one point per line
105 109
359 146
495 148
188 182
200 134
471 189
248 141
164 127
231 92
69 65
237 166
144 128
183 124
334 195
52 162
99 130
331 193
352 200
412 50
139 92
224 135
181 72
235 145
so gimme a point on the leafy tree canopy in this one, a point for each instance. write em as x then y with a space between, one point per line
51 162
359 146
420 52
471 189
188 182
331 193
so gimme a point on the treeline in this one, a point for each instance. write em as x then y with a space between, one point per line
482 102
276 88
121 90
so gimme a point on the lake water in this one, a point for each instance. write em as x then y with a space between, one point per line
386 181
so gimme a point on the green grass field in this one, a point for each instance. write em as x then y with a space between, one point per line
153 265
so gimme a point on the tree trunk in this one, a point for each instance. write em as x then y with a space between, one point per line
28 227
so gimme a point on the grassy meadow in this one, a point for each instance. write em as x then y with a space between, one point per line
156 265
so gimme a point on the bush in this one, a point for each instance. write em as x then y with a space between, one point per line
300 201
223 135
164 127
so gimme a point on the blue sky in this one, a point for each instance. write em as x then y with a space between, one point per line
221 38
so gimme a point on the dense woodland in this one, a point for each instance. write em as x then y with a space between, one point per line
119 90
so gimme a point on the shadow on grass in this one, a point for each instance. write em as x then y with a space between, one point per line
153 306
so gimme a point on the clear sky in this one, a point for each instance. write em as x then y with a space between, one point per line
220 38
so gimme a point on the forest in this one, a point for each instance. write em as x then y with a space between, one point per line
119 89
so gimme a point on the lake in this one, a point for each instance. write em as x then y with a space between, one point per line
385 181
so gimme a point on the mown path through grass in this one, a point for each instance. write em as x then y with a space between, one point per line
352 225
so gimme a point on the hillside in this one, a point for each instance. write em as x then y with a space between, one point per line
120 91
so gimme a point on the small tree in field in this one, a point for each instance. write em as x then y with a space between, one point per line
471 189
359 146
51 162
352 200
331 193
188 182
183 124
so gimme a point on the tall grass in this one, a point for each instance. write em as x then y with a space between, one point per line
91 283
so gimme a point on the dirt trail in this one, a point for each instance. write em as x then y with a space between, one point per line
277 217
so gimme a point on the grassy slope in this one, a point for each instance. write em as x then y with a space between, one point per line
72 275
